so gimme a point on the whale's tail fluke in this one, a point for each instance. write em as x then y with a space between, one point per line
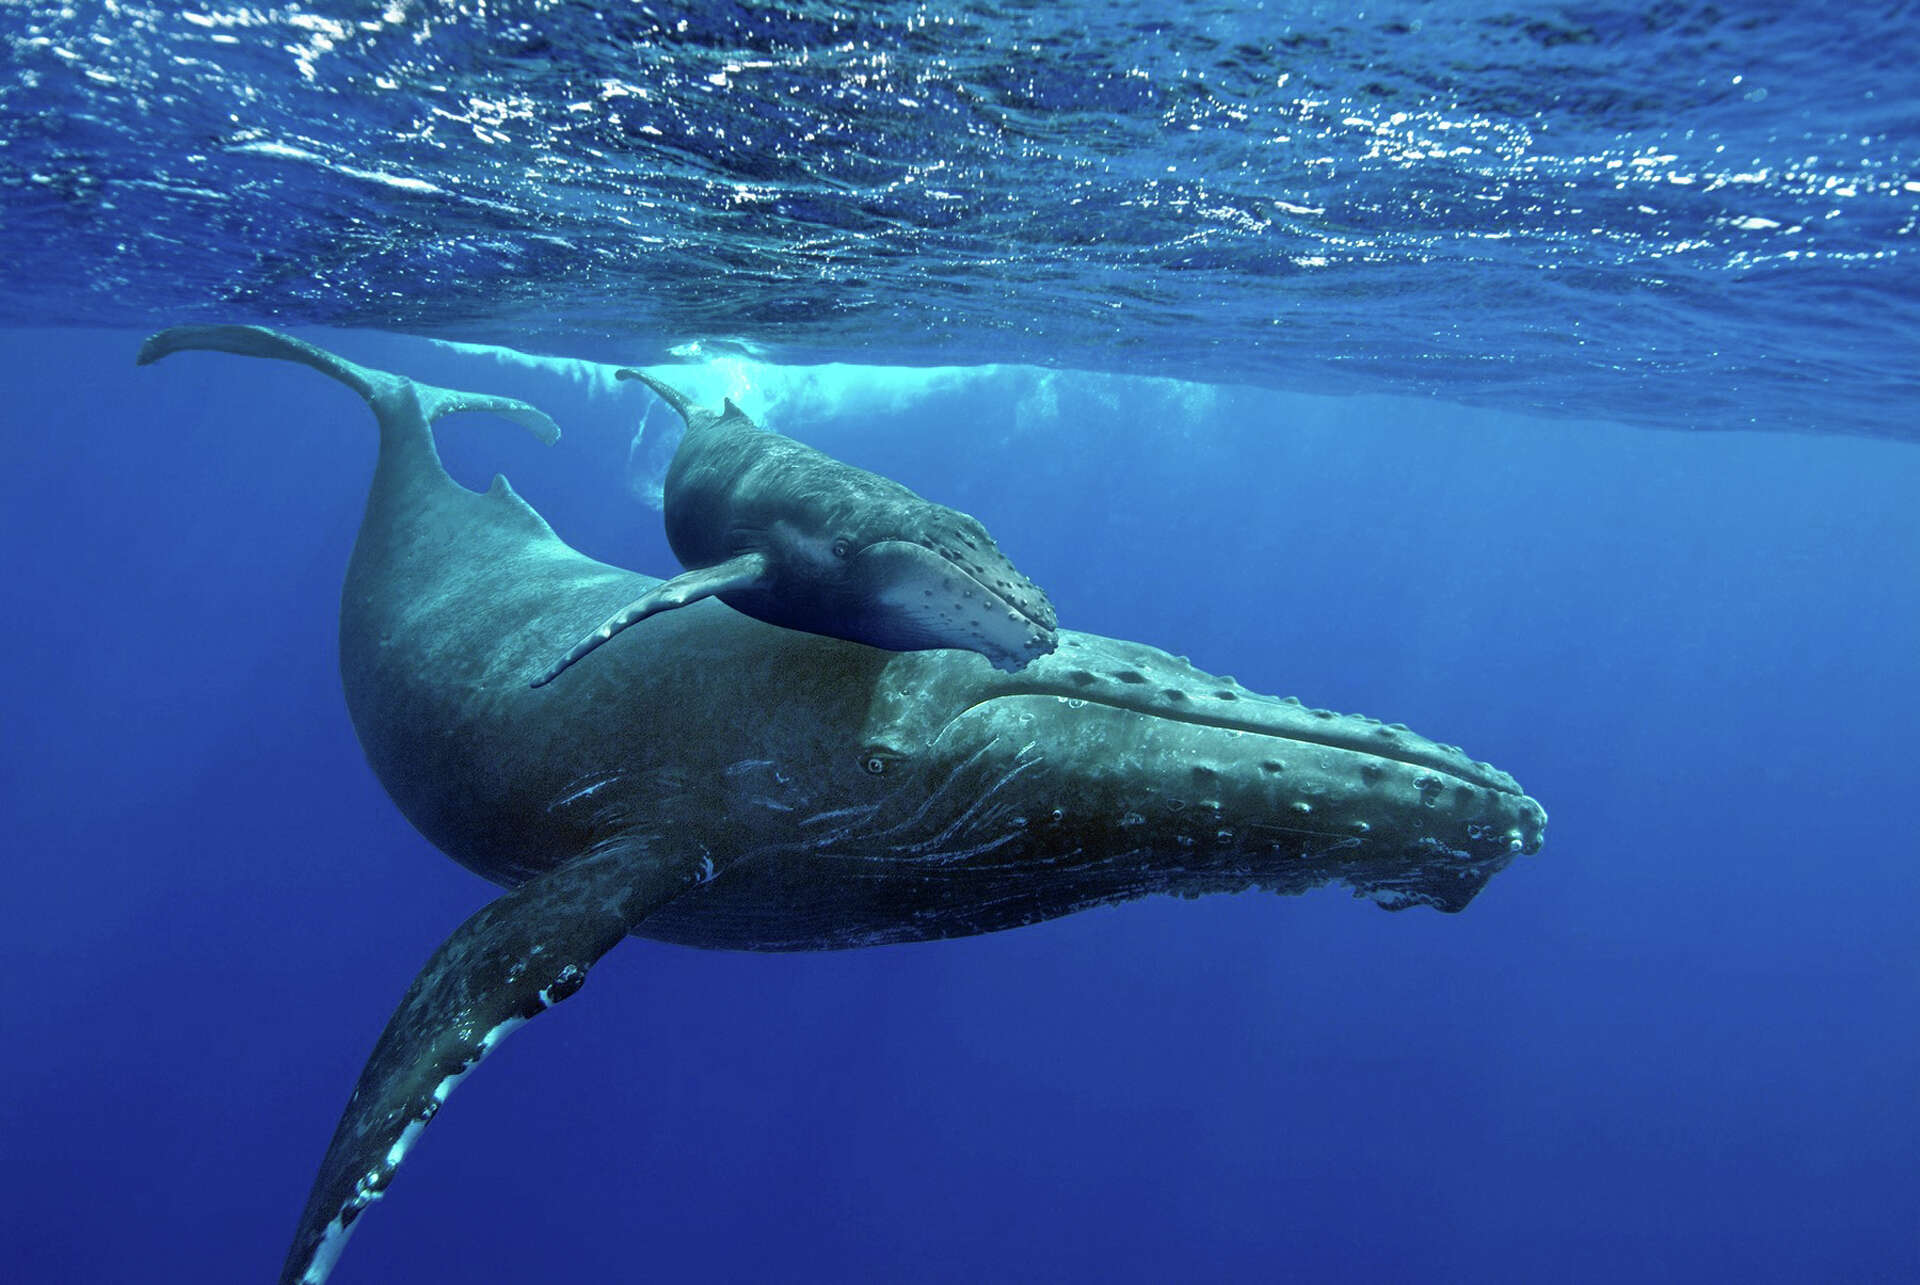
402 405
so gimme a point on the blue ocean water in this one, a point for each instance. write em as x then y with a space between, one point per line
1680 1043
1686 214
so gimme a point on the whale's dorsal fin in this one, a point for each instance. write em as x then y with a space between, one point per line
516 958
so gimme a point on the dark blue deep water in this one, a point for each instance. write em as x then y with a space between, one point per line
1425 439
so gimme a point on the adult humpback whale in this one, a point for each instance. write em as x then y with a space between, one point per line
794 537
721 782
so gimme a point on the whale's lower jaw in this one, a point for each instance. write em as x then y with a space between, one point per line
732 914
1027 861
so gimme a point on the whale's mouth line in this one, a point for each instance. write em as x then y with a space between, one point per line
1377 746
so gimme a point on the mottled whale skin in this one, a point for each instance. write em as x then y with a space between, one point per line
721 782
792 536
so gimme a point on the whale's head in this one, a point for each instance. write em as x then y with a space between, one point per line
865 559
932 577
1108 770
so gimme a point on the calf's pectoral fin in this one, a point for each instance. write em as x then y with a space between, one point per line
520 955
689 586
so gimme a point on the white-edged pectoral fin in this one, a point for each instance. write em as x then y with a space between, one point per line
689 586
517 957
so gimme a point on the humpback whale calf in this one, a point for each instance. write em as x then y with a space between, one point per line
720 782
794 537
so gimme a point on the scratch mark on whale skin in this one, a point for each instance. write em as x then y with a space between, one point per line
583 792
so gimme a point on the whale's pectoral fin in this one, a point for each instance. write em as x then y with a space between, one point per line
689 586
520 955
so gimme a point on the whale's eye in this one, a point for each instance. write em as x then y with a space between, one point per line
876 765
842 547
